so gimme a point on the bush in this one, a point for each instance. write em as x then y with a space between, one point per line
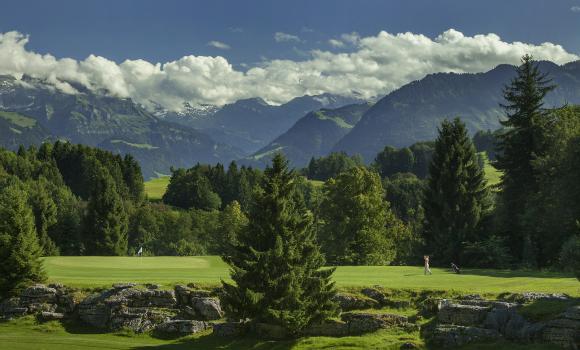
491 253
570 255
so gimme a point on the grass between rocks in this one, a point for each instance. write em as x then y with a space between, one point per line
92 272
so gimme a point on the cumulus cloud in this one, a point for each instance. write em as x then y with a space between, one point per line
575 8
280 37
373 66
219 45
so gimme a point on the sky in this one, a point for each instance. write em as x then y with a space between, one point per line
218 51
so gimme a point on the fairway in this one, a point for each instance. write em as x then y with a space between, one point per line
155 189
168 271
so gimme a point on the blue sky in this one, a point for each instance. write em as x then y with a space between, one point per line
218 51
165 30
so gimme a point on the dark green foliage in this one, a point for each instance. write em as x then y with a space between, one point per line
414 159
487 141
570 254
210 187
358 227
191 189
489 253
20 251
332 165
105 225
45 214
523 141
276 263
456 198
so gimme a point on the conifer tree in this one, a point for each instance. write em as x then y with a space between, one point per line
276 263
20 251
456 197
106 222
523 142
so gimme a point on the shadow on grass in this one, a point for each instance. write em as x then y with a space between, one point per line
515 273
214 342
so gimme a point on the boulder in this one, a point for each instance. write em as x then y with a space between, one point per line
11 308
533 296
448 336
359 323
374 293
138 320
328 328
124 285
51 316
38 294
460 314
208 308
564 330
148 298
229 329
349 302
181 327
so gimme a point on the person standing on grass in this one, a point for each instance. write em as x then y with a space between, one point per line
427 269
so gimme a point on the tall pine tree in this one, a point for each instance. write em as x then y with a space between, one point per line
106 222
523 142
456 197
20 251
276 263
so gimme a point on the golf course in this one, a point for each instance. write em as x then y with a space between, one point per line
91 272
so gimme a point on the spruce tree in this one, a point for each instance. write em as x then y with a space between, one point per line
106 222
456 197
276 262
523 141
20 251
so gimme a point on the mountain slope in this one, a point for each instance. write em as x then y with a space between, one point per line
314 135
251 124
107 122
414 112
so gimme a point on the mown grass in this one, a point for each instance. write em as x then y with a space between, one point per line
155 188
103 271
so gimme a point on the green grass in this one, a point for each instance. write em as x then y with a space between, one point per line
18 119
155 188
103 271
492 175
135 145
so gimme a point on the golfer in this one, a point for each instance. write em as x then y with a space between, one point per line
427 269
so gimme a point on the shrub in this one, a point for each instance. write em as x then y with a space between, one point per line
570 255
490 253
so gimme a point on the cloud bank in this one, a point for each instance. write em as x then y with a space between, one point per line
280 37
373 66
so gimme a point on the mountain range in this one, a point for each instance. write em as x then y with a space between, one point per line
251 130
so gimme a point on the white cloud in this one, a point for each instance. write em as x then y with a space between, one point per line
280 37
575 8
219 45
373 66
335 43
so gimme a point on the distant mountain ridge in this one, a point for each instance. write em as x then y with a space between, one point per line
110 123
250 124
314 135
414 112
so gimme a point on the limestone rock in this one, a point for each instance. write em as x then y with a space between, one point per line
350 302
38 294
359 323
51 316
208 308
564 330
328 328
124 285
11 308
229 329
182 327
374 293
449 336
460 314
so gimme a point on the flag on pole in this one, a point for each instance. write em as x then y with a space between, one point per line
140 252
